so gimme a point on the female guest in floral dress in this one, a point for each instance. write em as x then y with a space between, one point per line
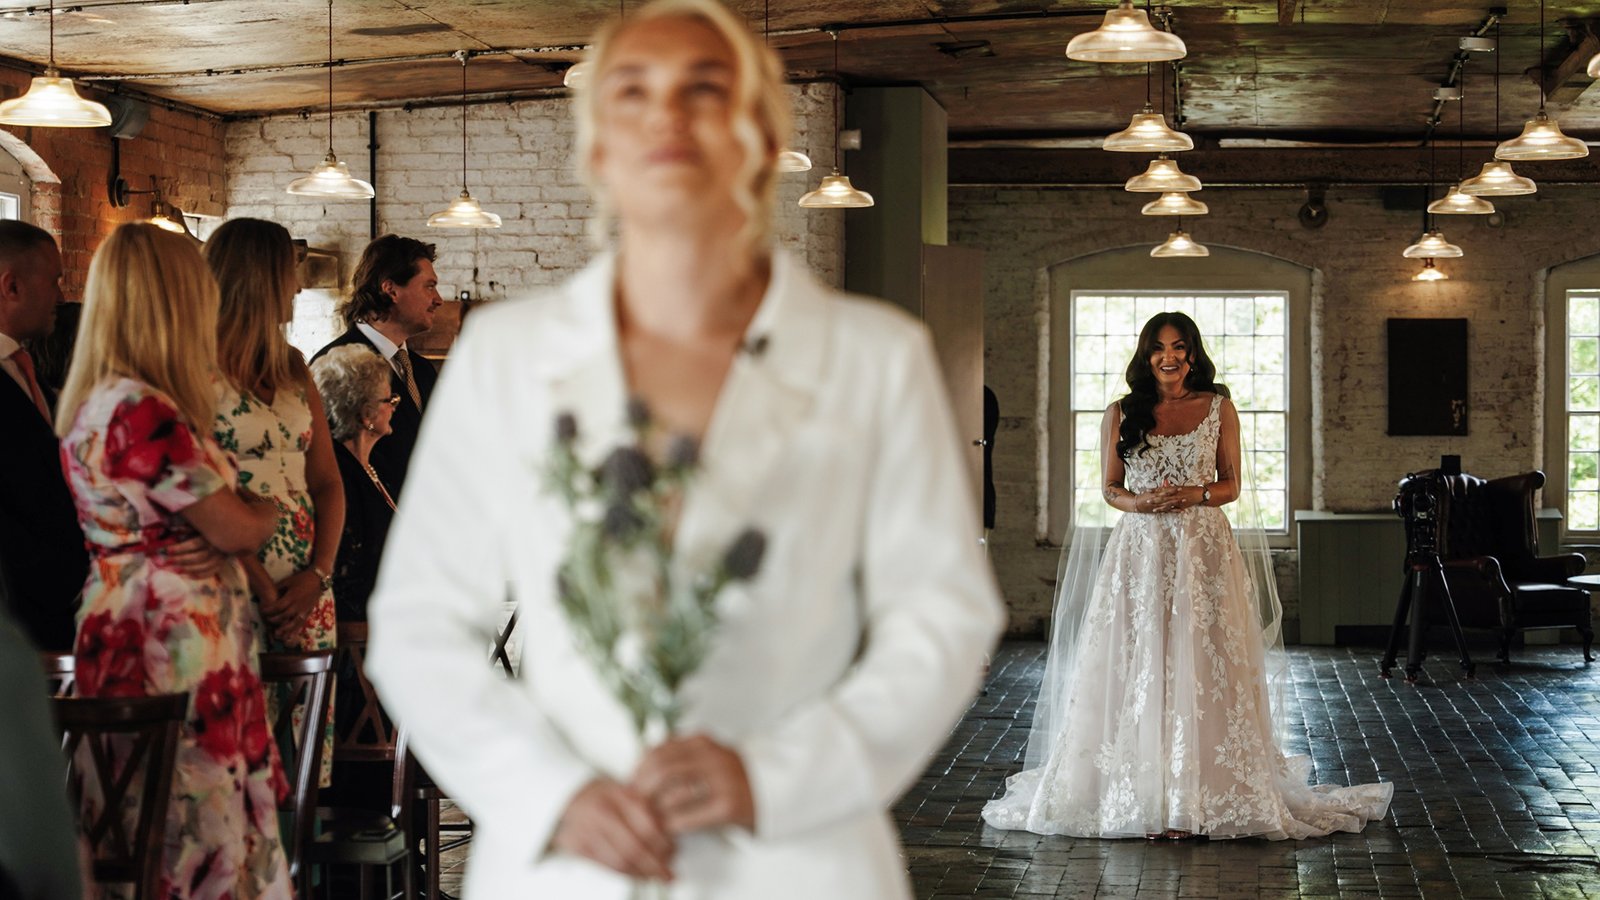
269 416
145 474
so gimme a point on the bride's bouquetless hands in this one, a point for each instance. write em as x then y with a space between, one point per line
614 825
696 783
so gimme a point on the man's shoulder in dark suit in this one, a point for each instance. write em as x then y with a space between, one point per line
351 335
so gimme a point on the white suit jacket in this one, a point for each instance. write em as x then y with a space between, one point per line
837 671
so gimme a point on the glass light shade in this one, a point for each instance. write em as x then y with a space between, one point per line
1456 203
1594 66
1175 204
1498 180
577 75
1542 139
793 161
1430 273
836 192
1148 133
1162 177
1432 245
167 217
1179 243
331 180
53 102
1126 36
464 212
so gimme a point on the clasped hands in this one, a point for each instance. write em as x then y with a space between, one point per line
684 785
1169 498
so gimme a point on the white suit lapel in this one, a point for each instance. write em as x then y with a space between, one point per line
768 393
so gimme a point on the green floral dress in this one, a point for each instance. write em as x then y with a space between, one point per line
270 442
134 464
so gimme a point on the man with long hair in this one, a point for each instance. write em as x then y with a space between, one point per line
394 293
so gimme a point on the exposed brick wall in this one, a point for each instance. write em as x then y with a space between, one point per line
1361 280
520 167
183 151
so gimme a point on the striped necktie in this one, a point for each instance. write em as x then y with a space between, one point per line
402 364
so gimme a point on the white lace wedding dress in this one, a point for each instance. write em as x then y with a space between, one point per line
1165 720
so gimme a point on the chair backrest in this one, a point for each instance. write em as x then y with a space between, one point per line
60 672
307 679
364 733
123 742
1465 516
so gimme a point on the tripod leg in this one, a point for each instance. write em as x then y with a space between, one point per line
1449 605
1419 625
1401 610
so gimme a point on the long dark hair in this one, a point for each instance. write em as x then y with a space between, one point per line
1139 406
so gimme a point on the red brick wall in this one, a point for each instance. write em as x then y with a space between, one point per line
183 150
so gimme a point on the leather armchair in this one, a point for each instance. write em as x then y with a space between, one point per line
1488 542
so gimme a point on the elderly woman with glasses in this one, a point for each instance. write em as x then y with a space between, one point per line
354 383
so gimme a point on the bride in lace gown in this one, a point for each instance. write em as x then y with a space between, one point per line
1155 717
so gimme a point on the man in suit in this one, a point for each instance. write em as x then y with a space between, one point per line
393 295
41 546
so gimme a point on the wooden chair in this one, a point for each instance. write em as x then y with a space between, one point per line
129 741
363 735
60 672
308 678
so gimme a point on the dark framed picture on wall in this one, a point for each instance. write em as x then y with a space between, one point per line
1427 376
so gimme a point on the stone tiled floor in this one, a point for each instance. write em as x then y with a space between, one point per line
1495 790
1496 786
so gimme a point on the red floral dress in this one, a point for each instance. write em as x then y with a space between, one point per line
133 464
270 443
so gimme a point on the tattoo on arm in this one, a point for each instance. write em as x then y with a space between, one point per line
1113 490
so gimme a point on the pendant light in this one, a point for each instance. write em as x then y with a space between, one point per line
788 160
1147 132
1496 178
1541 138
1175 204
1430 272
167 217
1162 177
53 101
1126 36
836 192
463 212
1179 244
1433 245
576 76
331 180
1455 202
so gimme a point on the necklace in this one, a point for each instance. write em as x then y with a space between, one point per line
371 473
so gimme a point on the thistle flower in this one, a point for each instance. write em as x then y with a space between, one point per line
638 413
743 559
621 522
683 452
626 470
566 429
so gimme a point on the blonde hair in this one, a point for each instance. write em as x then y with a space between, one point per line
761 116
347 376
150 314
253 261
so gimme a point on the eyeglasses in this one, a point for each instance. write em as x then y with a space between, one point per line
393 400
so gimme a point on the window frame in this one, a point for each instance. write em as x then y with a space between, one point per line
1581 275
1130 269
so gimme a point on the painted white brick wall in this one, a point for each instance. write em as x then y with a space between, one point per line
519 167
1361 280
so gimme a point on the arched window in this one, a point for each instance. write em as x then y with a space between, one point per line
1572 402
1253 312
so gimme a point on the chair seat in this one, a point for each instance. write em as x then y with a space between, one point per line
1535 597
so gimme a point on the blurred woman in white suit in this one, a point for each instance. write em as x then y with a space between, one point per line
822 422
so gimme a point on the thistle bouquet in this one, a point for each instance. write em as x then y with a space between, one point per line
643 622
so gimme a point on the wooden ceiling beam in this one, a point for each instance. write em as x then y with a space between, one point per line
1286 11
1565 80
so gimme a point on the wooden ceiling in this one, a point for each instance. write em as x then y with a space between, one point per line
1299 70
